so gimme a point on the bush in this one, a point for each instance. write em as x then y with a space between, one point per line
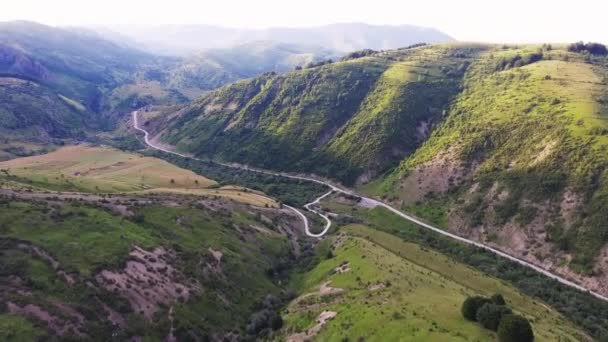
358 54
592 48
490 315
498 299
471 305
515 328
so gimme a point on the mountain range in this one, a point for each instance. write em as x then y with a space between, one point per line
344 38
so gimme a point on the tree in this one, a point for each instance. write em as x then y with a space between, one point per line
490 315
471 305
498 299
515 328
592 48
276 322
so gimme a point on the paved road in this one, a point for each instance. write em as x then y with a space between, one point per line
335 188
299 213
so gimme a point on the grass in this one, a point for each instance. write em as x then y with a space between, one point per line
85 240
537 130
100 169
422 301
584 310
339 120
82 239
104 170
18 329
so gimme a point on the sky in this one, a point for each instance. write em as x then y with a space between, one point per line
466 20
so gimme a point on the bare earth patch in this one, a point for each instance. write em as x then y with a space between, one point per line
435 176
342 268
59 326
376 287
326 290
309 335
148 280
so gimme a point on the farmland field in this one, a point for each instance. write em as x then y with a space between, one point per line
104 170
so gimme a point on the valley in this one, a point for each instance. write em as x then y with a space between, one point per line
217 184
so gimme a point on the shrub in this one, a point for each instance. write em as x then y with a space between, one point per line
490 315
592 48
498 299
515 328
471 305
359 54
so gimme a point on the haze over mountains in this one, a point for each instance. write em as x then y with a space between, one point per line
342 38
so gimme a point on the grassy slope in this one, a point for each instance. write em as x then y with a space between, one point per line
316 119
15 328
502 122
422 302
586 311
85 240
31 113
100 169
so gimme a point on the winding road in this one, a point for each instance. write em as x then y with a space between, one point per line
374 202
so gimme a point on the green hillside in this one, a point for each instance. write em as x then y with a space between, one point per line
506 144
195 272
383 289
214 68
34 117
99 244
520 160
343 119
82 84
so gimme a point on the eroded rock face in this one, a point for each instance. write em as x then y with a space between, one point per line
436 176
149 280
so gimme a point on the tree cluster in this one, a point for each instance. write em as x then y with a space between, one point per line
359 54
493 314
592 48
319 63
518 61
413 46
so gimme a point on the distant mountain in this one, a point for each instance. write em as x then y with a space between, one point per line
77 63
53 81
177 40
213 68
58 82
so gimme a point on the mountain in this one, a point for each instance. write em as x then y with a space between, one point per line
520 160
503 144
347 37
53 82
158 265
77 64
347 120
64 83
214 68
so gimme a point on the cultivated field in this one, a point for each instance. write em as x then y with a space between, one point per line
105 170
